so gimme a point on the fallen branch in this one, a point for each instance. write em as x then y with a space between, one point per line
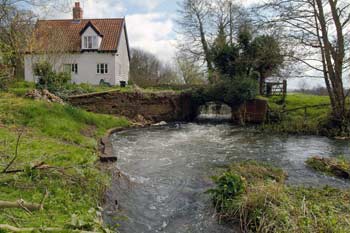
39 166
16 153
28 207
20 204
44 229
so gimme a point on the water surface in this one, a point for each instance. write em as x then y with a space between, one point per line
166 170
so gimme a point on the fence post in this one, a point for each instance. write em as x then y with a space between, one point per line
284 87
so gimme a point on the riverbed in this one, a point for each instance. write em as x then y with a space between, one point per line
164 172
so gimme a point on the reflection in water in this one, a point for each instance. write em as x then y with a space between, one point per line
166 171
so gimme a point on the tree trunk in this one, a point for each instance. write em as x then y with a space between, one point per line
205 45
262 85
333 60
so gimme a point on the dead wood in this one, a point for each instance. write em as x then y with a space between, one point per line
32 229
20 204
16 153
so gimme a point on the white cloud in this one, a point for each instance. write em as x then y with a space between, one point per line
153 33
91 8
148 5
103 9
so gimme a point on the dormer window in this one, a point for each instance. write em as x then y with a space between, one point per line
91 37
90 42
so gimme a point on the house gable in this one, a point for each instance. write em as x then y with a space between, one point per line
95 49
91 38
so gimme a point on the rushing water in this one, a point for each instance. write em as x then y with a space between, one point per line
165 171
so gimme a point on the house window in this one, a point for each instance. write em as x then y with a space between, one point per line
102 68
90 42
71 68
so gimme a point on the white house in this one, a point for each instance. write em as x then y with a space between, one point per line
93 50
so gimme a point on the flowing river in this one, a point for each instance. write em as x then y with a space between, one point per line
165 171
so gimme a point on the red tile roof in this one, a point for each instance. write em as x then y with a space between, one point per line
64 35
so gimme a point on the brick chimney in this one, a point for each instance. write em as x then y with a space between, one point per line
77 12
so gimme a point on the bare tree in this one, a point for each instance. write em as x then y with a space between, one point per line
15 31
147 70
190 72
194 24
320 31
199 21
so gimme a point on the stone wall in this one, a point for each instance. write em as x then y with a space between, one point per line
253 111
165 106
155 107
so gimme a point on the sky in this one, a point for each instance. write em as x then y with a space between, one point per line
151 25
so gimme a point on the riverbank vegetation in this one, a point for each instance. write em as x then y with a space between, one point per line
338 167
298 113
47 155
256 196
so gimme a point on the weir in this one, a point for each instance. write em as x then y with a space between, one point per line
215 112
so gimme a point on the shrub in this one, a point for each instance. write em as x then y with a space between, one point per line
267 204
5 78
338 167
230 91
49 79
229 186
3 82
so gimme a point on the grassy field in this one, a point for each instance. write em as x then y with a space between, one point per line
285 119
63 138
256 195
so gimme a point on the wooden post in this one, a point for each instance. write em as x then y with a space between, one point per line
284 87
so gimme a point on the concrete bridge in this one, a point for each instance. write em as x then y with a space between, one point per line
162 106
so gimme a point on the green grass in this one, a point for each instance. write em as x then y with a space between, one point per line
62 137
282 120
338 167
267 204
21 88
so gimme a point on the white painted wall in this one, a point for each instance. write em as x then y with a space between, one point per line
122 60
118 64
87 66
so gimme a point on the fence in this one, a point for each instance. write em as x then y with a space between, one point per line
275 88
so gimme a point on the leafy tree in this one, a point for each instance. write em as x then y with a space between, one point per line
248 57
198 23
233 92
266 56
224 55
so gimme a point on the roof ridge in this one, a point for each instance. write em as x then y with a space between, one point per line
69 32
80 19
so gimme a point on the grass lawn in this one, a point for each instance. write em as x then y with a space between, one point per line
65 138
256 195
282 119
